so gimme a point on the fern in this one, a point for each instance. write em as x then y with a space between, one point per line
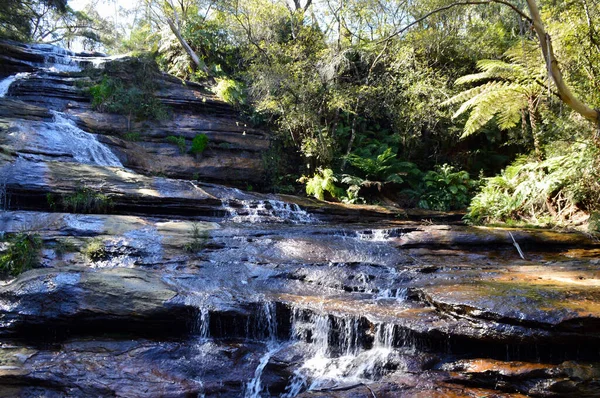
506 89
323 181
527 189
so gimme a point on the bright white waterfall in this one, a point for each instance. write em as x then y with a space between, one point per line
85 147
344 363
254 387
5 83
266 211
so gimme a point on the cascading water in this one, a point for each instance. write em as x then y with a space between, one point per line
58 138
203 324
268 323
336 356
6 83
266 211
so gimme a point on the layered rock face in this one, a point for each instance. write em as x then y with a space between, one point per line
155 286
59 81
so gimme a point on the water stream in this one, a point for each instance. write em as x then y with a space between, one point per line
277 301
59 139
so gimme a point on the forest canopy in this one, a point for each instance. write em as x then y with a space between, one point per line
439 104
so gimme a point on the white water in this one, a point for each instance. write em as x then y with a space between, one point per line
59 137
254 387
266 211
203 324
62 138
374 235
5 83
398 294
345 364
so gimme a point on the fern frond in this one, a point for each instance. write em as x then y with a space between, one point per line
502 70
487 88
467 94
475 77
488 105
510 115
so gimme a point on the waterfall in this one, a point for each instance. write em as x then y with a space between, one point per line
374 235
61 136
5 84
265 211
268 323
336 354
59 139
203 324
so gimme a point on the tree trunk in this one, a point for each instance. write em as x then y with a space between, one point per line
554 72
534 128
197 61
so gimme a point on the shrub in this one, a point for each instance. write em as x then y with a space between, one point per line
197 240
382 167
199 144
83 200
95 250
323 181
537 191
22 254
127 88
179 141
132 136
230 91
445 189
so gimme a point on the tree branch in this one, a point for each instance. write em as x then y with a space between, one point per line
449 6
554 71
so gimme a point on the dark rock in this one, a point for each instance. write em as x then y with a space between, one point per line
49 303
568 379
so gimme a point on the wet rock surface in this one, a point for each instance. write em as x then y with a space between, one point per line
419 321
52 79
188 288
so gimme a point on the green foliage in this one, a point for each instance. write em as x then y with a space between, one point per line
323 181
198 239
506 90
95 250
230 91
556 189
199 144
112 95
132 136
50 21
381 168
83 200
127 87
446 189
22 254
179 141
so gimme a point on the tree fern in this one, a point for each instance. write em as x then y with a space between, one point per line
505 91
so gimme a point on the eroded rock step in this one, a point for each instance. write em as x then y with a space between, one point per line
269 298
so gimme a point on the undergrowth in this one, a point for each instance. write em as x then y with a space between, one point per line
83 200
95 250
560 190
127 87
198 239
199 144
22 254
